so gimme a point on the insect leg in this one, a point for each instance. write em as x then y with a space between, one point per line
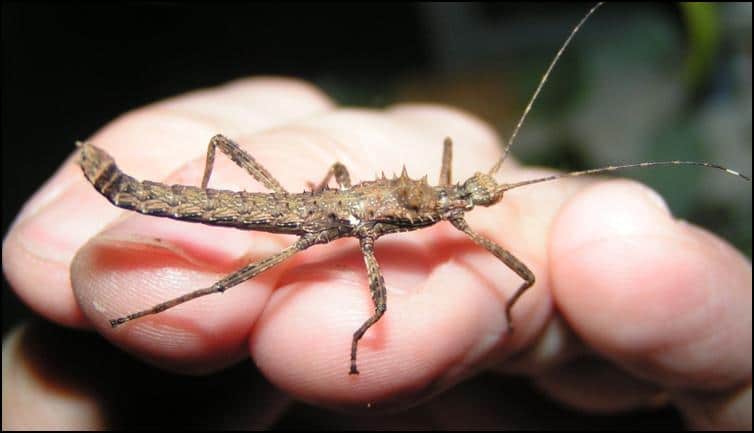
447 156
242 159
507 258
238 277
379 296
342 178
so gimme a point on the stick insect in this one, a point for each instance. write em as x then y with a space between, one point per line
366 211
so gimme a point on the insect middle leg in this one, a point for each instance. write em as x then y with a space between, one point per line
379 296
342 178
238 277
242 159
507 258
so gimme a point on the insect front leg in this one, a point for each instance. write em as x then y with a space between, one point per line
342 178
379 296
242 159
238 277
507 258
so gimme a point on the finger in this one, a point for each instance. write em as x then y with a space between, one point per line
561 365
727 410
594 385
667 301
56 378
153 142
30 398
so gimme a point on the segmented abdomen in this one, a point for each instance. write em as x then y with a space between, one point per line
209 206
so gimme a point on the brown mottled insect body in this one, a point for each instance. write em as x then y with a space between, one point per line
385 205
365 211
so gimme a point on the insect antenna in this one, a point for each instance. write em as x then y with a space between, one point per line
546 75
506 187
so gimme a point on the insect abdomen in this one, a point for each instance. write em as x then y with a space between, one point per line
243 210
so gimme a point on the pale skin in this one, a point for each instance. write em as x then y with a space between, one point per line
663 307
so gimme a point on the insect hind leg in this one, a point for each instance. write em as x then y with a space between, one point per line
342 178
238 277
242 159
447 157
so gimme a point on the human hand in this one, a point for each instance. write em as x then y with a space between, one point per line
629 304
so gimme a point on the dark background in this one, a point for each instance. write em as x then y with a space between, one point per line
70 68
